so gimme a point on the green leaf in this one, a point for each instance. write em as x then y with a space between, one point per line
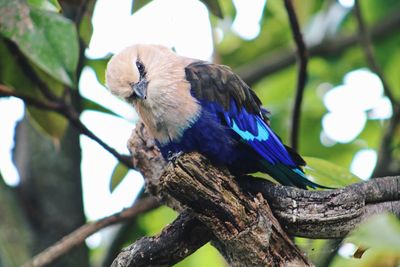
388 236
48 122
214 7
326 173
207 255
99 66
46 38
138 4
118 175
154 221
86 29
50 5
379 236
13 76
88 104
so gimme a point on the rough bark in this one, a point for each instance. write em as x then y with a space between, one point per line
330 213
246 232
185 232
241 223
212 193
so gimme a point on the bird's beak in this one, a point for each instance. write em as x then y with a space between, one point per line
140 89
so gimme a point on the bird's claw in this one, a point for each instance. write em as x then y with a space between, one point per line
174 156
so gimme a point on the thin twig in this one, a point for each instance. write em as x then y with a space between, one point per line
275 61
302 55
78 236
385 152
73 117
365 41
48 105
382 167
68 112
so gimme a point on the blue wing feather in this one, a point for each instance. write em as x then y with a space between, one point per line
256 133
245 143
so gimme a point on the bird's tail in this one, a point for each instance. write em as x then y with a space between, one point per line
291 176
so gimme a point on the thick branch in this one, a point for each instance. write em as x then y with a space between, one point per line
330 213
78 236
246 232
277 60
302 56
312 214
177 241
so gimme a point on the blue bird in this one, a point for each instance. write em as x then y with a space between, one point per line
192 105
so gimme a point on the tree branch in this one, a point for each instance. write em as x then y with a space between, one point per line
385 158
276 60
47 105
177 241
69 113
331 213
385 162
302 57
312 214
78 236
366 44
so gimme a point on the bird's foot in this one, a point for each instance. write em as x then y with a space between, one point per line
172 157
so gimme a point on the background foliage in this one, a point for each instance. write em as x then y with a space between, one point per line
42 44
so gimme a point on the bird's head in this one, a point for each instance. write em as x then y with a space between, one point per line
153 79
130 72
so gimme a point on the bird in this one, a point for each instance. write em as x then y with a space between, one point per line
191 105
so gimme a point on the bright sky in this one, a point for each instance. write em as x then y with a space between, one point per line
184 25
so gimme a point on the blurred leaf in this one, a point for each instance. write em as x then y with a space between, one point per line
154 221
207 255
371 258
46 38
228 9
88 104
391 73
367 236
12 75
214 7
99 66
50 5
318 251
138 4
48 122
86 28
118 174
326 173
380 236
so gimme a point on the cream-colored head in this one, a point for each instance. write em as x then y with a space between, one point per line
152 78
123 72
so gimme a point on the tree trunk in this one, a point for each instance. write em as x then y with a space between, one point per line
50 189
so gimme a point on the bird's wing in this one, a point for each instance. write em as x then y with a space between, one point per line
218 86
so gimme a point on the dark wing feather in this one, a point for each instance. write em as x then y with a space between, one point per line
218 83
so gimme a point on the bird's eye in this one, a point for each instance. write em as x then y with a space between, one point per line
140 67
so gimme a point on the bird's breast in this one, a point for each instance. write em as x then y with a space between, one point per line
167 122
